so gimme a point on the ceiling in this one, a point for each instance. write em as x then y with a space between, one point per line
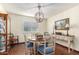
29 9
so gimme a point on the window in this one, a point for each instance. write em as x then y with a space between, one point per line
30 26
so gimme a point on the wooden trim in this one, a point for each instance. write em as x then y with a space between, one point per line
21 43
18 43
67 47
3 15
6 31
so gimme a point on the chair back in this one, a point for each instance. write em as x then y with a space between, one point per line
51 42
39 37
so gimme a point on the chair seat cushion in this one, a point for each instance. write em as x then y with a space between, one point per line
48 50
30 45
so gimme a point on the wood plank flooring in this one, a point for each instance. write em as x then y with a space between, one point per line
60 50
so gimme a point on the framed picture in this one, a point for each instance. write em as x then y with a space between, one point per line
62 24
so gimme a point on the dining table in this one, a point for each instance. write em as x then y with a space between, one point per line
36 43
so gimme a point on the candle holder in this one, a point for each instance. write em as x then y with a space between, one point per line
67 27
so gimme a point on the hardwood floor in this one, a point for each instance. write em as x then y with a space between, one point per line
17 50
60 50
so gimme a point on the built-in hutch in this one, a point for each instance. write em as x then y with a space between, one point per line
3 33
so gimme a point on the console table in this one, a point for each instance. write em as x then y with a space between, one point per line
69 39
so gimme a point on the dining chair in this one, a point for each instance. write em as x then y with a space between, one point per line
48 47
28 45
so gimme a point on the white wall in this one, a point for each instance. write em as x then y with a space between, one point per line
2 10
73 14
17 26
17 23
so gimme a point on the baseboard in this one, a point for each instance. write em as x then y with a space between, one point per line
18 43
67 47
21 43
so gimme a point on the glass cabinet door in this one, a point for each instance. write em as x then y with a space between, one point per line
3 32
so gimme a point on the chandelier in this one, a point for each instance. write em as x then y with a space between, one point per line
39 16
